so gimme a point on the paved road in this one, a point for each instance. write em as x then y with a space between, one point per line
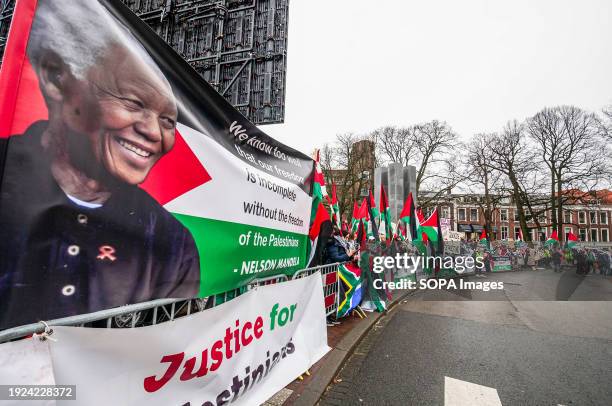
510 347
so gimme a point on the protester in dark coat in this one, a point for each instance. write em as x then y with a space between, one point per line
337 249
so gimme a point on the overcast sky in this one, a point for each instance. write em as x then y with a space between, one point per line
355 65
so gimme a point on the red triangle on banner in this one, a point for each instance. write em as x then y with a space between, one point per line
175 174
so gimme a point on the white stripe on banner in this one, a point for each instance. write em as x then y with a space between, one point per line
225 196
462 393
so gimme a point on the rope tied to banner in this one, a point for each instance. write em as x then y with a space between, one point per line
46 334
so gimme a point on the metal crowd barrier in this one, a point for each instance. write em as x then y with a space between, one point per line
331 287
162 310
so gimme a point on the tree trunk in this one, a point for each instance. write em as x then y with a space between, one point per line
553 200
560 232
518 200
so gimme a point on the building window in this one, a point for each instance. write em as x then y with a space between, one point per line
504 232
517 233
567 216
473 214
594 235
582 234
603 217
567 231
604 235
543 234
593 217
581 218
446 212
542 217
461 214
503 215
516 215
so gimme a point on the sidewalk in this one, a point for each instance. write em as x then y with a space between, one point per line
342 338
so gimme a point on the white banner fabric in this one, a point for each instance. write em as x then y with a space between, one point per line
241 352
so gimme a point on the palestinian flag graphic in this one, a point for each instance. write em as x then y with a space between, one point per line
351 291
386 213
572 240
161 182
408 218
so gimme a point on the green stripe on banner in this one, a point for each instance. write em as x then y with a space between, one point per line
233 254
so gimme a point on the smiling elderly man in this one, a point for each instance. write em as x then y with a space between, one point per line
76 232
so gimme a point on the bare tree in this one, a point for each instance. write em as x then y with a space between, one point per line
349 163
481 179
434 141
512 156
431 147
606 122
570 144
396 144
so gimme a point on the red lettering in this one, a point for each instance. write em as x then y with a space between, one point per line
190 364
151 384
217 355
258 325
236 335
245 340
228 346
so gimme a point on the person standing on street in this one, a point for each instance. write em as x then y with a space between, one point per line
556 260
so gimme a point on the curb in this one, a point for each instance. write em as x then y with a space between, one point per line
339 354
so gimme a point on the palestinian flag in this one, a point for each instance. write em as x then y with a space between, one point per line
373 298
484 241
354 217
430 230
400 230
572 240
370 218
362 235
420 240
408 218
335 208
318 186
553 239
372 207
363 217
345 227
350 288
386 213
193 195
519 241
319 233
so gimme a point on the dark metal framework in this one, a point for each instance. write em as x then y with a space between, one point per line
238 46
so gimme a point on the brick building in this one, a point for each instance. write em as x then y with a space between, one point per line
587 215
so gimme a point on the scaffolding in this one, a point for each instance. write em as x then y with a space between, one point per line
237 46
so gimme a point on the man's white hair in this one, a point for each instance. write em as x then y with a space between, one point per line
79 31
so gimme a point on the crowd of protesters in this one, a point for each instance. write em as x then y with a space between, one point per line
343 246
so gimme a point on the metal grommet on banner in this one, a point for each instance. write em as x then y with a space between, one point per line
45 335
